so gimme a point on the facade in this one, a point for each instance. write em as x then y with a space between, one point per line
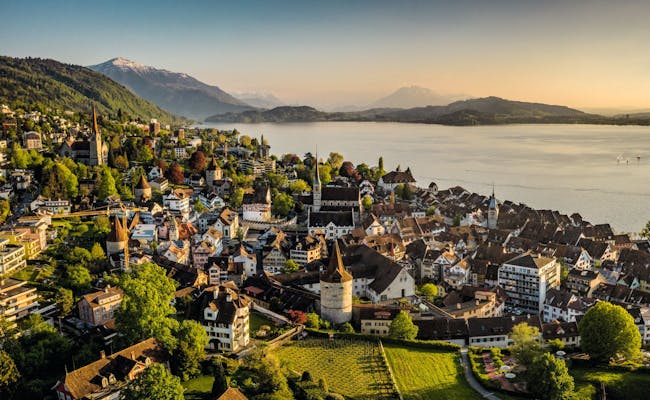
393 179
16 299
178 203
336 290
12 257
257 205
117 238
225 317
32 140
495 332
526 279
306 250
98 308
213 173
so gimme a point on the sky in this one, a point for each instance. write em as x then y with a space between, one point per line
584 54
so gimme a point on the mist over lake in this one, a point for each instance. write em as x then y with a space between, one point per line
590 169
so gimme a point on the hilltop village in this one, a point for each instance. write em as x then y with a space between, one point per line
102 217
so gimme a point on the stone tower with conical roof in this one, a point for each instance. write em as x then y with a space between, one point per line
117 238
142 190
213 173
336 290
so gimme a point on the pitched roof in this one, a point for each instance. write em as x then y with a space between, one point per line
118 232
338 218
142 183
84 381
398 177
336 272
528 261
232 394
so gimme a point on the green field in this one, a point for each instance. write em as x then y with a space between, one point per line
353 368
423 374
618 384
199 388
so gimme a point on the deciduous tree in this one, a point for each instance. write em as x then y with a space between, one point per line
8 371
403 327
190 349
282 205
526 344
608 330
146 310
154 383
548 378
198 161
175 174
429 290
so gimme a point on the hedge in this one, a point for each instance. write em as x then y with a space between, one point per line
422 344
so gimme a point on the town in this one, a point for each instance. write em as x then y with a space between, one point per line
130 246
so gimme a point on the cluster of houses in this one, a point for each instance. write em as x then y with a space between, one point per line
495 264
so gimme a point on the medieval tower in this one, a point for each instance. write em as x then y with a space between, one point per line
493 212
336 290
96 150
213 173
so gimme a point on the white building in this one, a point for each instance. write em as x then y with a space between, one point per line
225 317
526 279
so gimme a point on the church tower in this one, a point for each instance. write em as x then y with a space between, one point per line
96 154
213 172
336 290
493 212
316 191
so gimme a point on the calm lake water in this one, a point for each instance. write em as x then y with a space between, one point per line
588 169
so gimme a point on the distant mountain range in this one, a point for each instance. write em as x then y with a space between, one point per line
414 96
177 92
259 99
488 110
70 88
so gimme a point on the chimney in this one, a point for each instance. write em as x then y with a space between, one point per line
102 354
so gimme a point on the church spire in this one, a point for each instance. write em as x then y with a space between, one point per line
95 126
317 178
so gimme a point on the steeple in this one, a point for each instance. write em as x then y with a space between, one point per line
95 126
317 178
336 271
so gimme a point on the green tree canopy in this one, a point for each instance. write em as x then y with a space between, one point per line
645 232
220 384
429 290
106 185
549 378
146 310
154 383
607 330
97 252
325 173
8 371
526 344
78 277
59 181
64 299
313 321
299 186
290 266
190 349
366 202
5 209
335 160
282 204
402 327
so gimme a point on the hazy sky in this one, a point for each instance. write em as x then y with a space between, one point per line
578 53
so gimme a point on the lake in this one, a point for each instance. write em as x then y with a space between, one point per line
590 169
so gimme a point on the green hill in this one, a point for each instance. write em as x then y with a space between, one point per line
66 87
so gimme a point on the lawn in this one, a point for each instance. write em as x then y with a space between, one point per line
353 368
618 384
199 388
423 374
256 320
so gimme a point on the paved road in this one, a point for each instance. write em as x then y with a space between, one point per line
469 376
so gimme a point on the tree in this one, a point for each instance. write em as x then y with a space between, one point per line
102 225
190 350
429 290
78 277
8 371
198 161
106 185
220 384
549 378
430 211
313 321
645 232
403 327
237 198
245 141
335 160
121 163
5 209
346 328
154 383
146 310
282 205
299 186
59 181
19 157
526 345
97 252
608 330
175 174
297 316
64 299
325 173
290 266
380 163
366 202
347 170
